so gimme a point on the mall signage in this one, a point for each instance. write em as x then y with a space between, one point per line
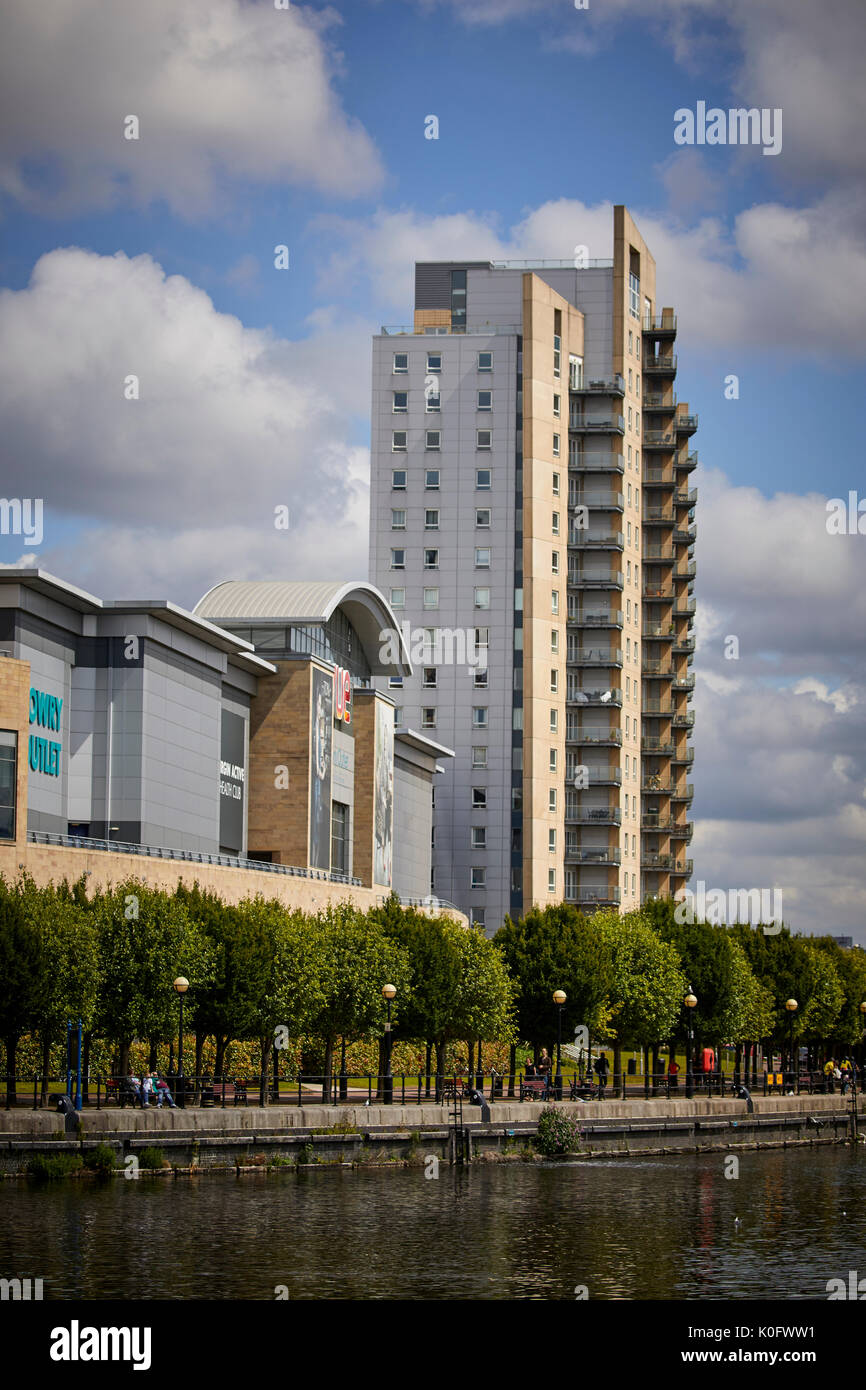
342 695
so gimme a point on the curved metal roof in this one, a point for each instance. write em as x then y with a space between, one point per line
242 601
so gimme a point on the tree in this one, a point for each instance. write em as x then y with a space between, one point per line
68 990
647 985
23 964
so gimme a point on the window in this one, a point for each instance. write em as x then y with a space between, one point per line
551 840
554 721
432 439
485 400
434 361
575 373
557 352
485 361
8 782
479 837
398 598
395 682
401 402
431 479
483 479
551 880
479 716
478 916
431 559
398 479
482 557
554 680
482 598
554 562
555 523
398 716
431 520
551 799
398 559
634 296
557 405
340 838
428 717
479 798
482 517
398 520
554 602
556 446
431 399
553 760
431 598
401 361
482 640
431 642
556 484
428 677
479 756
483 439
630 340
398 442
477 877
554 640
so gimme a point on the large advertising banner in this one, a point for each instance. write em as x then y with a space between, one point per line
384 795
321 736
233 776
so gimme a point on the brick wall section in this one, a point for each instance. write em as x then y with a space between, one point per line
51 864
15 715
364 720
280 737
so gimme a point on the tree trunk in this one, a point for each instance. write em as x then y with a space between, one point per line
265 1042
512 1067
220 1057
440 1069
123 1060
655 1067
151 1055
428 1055
46 1065
11 1042
617 1064
199 1049
85 1067
329 1062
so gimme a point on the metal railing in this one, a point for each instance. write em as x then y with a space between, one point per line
191 856
596 462
659 323
441 330
614 385
596 815
611 696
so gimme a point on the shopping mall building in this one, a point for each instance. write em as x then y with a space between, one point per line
242 745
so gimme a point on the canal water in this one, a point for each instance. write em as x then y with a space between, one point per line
661 1228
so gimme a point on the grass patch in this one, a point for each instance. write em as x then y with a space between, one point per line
47 1169
100 1160
152 1159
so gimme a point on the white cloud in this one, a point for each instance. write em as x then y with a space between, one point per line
230 423
221 90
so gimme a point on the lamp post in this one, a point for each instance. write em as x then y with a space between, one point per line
181 985
559 998
854 1078
791 1005
388 992
690 1003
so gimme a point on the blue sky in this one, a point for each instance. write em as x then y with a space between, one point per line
305 127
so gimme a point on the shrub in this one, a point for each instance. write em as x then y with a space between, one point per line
60 1166
151 1158
557 1134
100 1160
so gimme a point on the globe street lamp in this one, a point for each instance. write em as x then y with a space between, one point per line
559 998
181 985
690 1003
388 992
791 1005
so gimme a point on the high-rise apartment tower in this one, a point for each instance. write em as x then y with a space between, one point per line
532 525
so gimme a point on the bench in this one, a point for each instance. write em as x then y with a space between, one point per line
535 1088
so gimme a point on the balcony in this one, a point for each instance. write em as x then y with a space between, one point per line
592 698
686 499
683 645
660 364
658 593
687 461
658 554
660 325
658 439
594 897
686 793
597 424
658 516
658 783
594 815
658 634
659 477
659 669
685 607
683 721
601 776
686 867
686 757
593 656
592 856
660 746
651 820
684 683
666 862
596 540
596 463
682 537
686 424
684 831
656 710
613 386
656 400
687 571
577 734
583 619
607 501
577 578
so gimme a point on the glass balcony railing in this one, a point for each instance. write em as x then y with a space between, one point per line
686 424
603 696
664 364
608 501
579 579
576 734
656 400
596 462
594 656
593 815
660 325
601 424
586 540
600 386
580 618
659 439
575 855
685 793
